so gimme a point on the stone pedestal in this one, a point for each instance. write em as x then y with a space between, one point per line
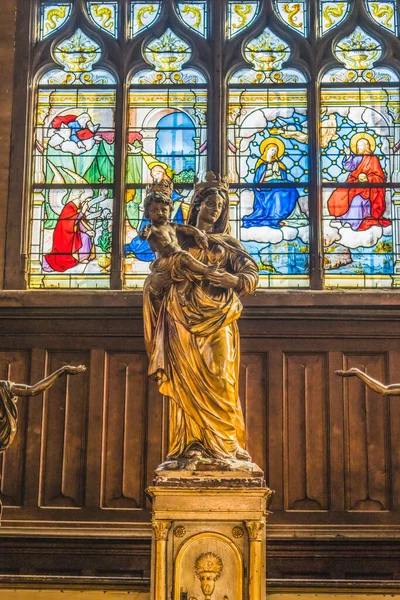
209 536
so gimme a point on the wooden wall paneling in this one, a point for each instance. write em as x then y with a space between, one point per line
394 416
97 388
124 431
253 397
275 427
336 432
64 429
34 432
157 431
367 436
305 431
14 367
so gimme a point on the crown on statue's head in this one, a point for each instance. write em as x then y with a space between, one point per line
162 186
212 180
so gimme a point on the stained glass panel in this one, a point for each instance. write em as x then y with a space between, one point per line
294 14
268 160
360 160
331 14
105 16
143 14
240 16
194 15
167 139
267 53
384 13
73 171
53 15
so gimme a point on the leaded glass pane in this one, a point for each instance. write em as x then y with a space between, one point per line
240 16
268 160
143 14
105 16
384 13
359 160
53 15
194 15
294 14
331 14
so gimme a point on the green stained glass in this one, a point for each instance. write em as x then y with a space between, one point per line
294 14
143 14
384 13
194 15
53 15
240 16
267 53
105 16
331 14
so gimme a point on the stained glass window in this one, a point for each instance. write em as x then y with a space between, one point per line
167 139
293 14
240 16
299 102
360 167
268 163
53 15
73 166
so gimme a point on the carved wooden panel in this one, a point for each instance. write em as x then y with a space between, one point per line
124 431
64 425
14 367
305 432
253 398
367 437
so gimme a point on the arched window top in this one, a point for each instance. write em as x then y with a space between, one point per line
105 16
267 53
143 15
331 14
293 14
53 16
240 16
167 54
77 55
359 52
194 15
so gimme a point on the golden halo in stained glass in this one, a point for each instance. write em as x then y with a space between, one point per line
272 141
362 136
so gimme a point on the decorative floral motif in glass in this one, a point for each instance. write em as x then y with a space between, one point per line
331 14
240 16
267 53
384 13
105 16
53 15
73 167
168 54
143 14
167 139
293 14
359 52
194 15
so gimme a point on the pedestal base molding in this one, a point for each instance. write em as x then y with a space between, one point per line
209 536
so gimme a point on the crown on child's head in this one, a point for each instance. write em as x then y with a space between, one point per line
162 186
212 180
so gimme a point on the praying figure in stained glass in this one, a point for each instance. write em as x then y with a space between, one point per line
271 205
360 207
74 233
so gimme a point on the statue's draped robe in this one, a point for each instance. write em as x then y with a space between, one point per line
8 415
193 341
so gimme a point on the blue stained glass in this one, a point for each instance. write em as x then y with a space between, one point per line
53 15
194 15
384 13
105 16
